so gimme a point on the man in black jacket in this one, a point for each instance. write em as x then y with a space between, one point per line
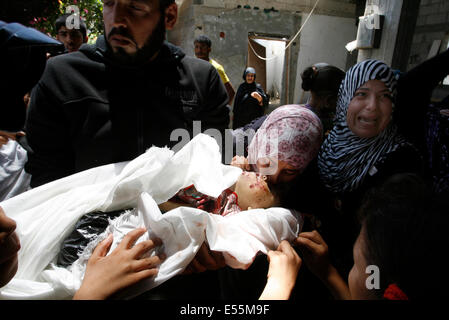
111 101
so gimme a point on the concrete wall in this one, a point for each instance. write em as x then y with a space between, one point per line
343 8
231 49
391 9
228 22
323 39
432 24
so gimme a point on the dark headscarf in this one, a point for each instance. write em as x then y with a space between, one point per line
247 108
249 70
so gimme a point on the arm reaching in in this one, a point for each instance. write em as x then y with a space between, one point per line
282 272
125 266
5 136
414 96
316 257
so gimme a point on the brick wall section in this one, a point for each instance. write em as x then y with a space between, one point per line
432 24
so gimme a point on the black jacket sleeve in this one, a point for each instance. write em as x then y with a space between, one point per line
212 108
414 96
238 97
50 156
215 113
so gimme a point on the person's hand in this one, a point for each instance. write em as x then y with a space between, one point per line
316 256
204 260
282 272
257 96
125 266
444 112
9 247
241 162
315 252
5 136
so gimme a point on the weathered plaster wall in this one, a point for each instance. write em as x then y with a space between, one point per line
341 8
323 39
391 9
432 24
282 18
232 49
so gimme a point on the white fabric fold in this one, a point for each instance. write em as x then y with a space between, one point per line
46 215
13 178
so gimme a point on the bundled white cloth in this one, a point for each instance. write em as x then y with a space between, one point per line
13 178
46 215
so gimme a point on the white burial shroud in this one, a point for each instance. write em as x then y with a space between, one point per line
46 215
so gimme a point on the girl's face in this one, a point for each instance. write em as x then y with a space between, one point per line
253 191
369 111
357 275
250 77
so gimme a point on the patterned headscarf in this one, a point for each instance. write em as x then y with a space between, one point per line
290 133
345 159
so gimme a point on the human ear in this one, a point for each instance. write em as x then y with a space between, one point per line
171 16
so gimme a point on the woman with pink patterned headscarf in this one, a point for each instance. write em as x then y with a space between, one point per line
284 145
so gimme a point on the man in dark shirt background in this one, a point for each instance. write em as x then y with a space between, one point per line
111 101
72 37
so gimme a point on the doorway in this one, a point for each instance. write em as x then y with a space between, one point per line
267 54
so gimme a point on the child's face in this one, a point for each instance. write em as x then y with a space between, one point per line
253 191
358 275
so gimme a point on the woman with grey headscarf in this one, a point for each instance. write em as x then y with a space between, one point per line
250 100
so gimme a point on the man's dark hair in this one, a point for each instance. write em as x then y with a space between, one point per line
203 39
61 22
